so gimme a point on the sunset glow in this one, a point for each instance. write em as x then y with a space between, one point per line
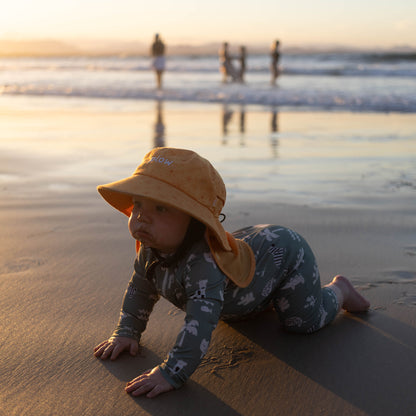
383 24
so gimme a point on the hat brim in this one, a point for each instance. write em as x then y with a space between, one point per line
120 195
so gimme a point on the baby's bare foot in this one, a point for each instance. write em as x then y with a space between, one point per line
353 301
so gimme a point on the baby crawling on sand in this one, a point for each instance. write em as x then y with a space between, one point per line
174 201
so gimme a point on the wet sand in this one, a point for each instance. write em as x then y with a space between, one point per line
66 258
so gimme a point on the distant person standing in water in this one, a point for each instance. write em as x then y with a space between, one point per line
226 66
159 62
275 57
243 56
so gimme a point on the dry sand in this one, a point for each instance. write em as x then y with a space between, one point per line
66 258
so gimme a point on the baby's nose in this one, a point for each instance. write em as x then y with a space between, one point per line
143 216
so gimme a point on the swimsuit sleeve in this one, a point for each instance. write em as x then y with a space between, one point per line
204 286
138 302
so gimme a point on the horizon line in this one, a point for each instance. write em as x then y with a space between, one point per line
48 46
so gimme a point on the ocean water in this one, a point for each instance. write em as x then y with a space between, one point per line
358 82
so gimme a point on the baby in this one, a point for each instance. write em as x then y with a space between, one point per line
174 201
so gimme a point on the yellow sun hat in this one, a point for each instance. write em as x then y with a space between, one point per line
186 181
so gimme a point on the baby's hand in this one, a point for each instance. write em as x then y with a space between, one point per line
151 382
114 346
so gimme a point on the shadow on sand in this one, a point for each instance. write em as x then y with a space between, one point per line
191 399
367 360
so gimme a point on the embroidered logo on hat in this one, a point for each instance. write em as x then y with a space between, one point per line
161 160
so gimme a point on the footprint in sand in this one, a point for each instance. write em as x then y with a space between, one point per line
20 265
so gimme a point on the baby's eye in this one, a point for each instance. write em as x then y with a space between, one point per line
161 208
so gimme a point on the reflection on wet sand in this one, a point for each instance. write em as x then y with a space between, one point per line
227 117
274 131
242 119
233 126
159 139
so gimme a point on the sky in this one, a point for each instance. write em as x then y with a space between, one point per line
358 23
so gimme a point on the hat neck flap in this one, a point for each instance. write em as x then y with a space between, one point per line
238 264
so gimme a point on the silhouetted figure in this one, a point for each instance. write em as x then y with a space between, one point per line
159 127
242 58
226 66
275 57
159 61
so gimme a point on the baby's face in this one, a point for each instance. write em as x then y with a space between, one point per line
158 226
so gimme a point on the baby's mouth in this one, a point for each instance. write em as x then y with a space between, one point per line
141 235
